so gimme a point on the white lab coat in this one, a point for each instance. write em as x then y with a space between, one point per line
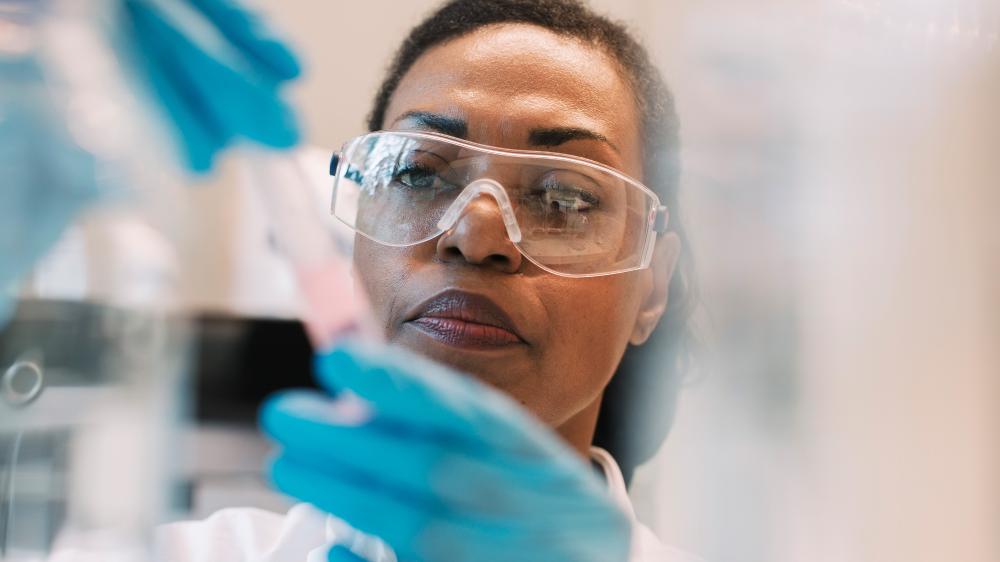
304 534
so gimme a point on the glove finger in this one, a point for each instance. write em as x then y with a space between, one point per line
512 488
415 390
361 504
590 532
246 31
301 422
433 475
248 108
198 133
340 553
198 136
543 536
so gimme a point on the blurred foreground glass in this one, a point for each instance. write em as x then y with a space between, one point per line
89 400
92 351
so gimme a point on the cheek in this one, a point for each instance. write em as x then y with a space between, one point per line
382 271
602 305
592 320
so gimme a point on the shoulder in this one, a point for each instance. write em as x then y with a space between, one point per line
232 535
246 534
646 546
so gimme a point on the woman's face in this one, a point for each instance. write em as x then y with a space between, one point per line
468 298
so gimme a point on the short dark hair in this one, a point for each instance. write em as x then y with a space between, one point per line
634 419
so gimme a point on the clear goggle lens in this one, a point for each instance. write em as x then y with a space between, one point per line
568 215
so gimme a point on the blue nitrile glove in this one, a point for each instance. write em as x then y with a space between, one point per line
46 178
441 467
216 71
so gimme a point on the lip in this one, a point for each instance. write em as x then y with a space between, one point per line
468 320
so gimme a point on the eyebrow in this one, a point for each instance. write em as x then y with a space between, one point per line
560 135
453 126
458 127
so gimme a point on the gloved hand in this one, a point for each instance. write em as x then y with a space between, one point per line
438 465
47 178
216 73
216 82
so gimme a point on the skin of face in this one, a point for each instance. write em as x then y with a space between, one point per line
503 82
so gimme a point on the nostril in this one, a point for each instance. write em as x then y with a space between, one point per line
499 260
453 252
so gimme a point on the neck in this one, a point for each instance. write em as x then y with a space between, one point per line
578 430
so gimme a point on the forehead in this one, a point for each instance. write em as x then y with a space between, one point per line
507 79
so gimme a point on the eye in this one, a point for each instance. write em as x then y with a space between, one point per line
565 194
416 177
564 201
422 178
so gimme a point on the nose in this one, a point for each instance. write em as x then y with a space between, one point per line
479 231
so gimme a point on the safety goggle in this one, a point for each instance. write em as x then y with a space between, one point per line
569 216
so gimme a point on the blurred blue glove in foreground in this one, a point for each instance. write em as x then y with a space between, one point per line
216 71
46 178
441 467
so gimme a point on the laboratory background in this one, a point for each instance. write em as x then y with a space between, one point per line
840 180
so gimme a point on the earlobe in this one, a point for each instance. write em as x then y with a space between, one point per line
665 256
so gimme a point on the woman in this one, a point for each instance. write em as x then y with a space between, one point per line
532 272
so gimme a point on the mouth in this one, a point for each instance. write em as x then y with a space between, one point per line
467 320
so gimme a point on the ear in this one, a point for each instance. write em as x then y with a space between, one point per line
665 256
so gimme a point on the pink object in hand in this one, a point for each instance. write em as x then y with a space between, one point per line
334 308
